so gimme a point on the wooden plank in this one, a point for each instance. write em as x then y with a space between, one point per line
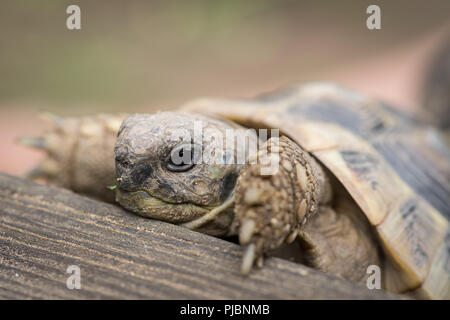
45 229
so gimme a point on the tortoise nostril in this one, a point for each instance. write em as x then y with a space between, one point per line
124 183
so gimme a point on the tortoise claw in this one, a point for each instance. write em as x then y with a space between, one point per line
246 231
35 173
248 259
47 168
34 142
52 118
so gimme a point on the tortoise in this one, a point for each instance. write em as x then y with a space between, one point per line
356 183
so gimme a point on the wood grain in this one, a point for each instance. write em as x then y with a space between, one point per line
44 229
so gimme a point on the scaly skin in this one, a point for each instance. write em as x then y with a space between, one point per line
80 153
296 203
266 211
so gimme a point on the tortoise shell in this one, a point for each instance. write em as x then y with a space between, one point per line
395 167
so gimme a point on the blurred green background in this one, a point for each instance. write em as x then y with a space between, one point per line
145 55
132 53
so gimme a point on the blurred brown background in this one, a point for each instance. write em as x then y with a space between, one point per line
146 55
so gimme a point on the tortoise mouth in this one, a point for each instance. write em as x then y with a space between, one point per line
143 203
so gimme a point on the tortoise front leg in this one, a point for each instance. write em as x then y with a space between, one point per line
271 209
338 241
296 201
80 153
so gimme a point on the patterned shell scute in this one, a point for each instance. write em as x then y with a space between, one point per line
395 168
400 139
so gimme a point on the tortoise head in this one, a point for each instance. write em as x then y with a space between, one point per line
175 166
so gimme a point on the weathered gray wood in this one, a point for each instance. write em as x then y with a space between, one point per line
44 229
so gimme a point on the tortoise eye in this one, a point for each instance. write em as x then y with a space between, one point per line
182 158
